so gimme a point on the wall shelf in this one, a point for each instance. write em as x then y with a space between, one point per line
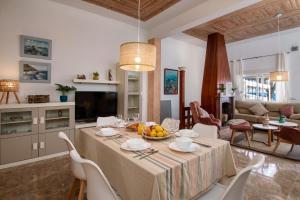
90 81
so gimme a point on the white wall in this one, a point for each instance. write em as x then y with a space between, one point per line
174 54
267 45
82 42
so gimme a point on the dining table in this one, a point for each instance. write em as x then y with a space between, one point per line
164 174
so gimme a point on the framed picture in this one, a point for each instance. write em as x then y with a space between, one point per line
35 72
170 81
33 47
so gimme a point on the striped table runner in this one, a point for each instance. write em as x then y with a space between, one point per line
166 175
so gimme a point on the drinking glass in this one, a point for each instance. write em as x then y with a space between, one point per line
136 117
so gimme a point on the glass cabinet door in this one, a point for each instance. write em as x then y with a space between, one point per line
52 119
16 122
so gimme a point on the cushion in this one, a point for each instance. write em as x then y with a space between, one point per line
295 116
296 107
273 114
287 111
204 113
275 107
244 104
244 111
258 109
236 121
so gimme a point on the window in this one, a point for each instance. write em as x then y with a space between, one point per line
259 87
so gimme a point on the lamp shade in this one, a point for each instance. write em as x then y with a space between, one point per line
279 76
9 86
137 56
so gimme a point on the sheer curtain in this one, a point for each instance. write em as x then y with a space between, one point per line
282 94
236 73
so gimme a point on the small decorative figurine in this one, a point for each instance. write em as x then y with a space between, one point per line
109 75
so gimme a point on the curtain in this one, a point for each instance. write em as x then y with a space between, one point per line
236 73
282 94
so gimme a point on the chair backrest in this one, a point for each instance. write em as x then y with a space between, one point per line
197 111
208 131
106 121
290 134
235 191
76 168
98 187
170 124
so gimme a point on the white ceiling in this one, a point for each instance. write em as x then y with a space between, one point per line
171 22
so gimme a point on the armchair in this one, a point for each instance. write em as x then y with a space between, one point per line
199 115
287 135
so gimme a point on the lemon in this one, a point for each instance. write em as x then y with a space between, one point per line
140 129
160 134
158 128
153 133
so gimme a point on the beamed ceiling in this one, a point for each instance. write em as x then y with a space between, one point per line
149 8
256 20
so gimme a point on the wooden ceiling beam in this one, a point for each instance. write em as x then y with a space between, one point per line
258 19
149 8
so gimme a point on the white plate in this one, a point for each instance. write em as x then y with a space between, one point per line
144 146
187 133
107 132
193 147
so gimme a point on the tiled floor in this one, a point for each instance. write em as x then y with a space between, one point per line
279 179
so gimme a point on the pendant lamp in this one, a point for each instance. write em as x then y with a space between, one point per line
137 56
280 74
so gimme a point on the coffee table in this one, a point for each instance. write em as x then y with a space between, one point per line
268 128
287 124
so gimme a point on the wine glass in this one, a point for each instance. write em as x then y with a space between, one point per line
136 117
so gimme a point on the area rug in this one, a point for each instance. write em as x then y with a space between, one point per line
259 144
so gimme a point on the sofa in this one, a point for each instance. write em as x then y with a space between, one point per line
242 111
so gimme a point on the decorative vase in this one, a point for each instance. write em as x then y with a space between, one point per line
95 77
63 98
281 119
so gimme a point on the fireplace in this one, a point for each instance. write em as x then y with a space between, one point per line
225 108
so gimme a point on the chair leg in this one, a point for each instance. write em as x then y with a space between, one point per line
72 190
247 137
81 191
232 137
292 147
277 145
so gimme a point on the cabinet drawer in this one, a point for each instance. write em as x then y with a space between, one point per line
50 143
18 148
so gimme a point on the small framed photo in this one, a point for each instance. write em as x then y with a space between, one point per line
33 47
35 72
170 81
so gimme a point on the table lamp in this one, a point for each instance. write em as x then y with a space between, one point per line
7 86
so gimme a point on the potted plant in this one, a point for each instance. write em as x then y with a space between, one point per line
222 88
233 91
64 89
95 76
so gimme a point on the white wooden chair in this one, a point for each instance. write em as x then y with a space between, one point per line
204 130
98 187
77 170
235 190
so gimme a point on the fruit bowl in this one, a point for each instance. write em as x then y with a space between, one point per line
155 132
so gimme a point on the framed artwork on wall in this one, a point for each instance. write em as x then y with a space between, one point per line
35 72
33 47
170 81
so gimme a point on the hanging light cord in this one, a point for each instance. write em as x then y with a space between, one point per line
278 30
139 8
